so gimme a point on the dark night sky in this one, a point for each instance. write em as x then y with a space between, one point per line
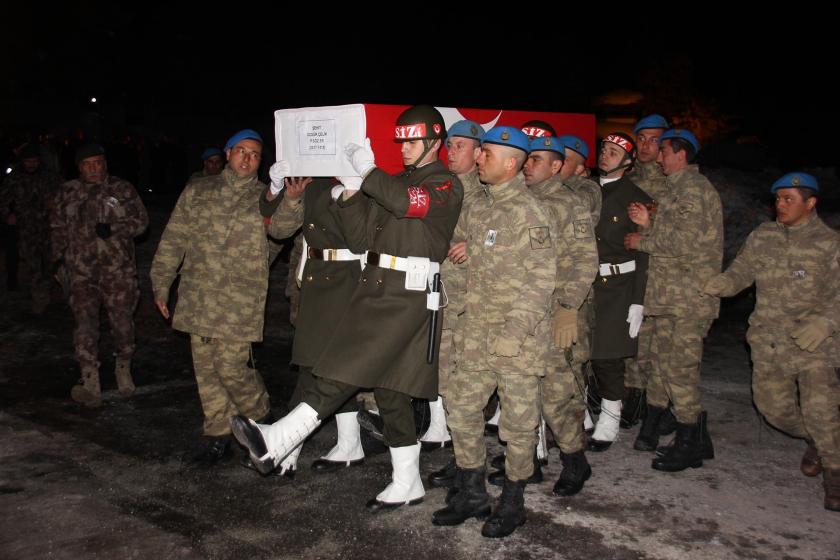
198 74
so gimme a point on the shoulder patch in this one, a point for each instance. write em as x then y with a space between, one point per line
540 237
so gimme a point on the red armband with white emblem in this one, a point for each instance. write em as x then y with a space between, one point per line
418 202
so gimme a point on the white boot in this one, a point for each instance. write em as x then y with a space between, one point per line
607 428
542 443
437 435
288 466
268 445
406 487
348 449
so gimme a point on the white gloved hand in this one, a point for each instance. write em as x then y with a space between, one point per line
351 183
278 173
635 316
360 157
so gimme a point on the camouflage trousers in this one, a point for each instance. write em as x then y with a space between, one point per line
292 290
446 360
674 348
563 408
226 385
796 395
119 296
35 256
519 398
636 372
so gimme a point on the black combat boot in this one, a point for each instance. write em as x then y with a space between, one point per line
509 512
212 451
648 437
472 500
576 471
667 423
498 478
456 485
445 477
632 407
684 452
498 462
707 449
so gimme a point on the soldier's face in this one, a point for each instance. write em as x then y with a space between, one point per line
791 208
462 154
669 160
610 157
411 150
244 157
93 169
647 144
31 165
213 165
540 166
493 164
575 164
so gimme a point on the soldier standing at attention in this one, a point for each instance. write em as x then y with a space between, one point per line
619 288
217 237
96 219
685 248
795 264
502 334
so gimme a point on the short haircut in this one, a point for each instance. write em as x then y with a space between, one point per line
680 144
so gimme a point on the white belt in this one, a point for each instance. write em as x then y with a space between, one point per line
607 269
336 255
389 261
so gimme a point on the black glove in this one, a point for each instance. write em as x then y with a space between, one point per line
103 230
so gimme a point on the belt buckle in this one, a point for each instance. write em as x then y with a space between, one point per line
615 269
331 256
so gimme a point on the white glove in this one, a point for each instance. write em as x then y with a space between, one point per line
351 183
360 157
336 191
635 315
278 173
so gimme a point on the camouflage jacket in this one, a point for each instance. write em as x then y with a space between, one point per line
217 237
455 275
511 277
577 252
649 178
589 193
382 339
796 271
31 198
78 208
685 244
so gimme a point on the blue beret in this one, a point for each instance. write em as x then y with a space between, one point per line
683 134
575 144
246 134
467 129
651 121
210 152
507 136
548 144
796 180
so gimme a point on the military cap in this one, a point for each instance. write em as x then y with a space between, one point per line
651 121
507 136
245 134
682 134
548 144
796 180
210 152
538 129
30 150
575 144
466 129
88 151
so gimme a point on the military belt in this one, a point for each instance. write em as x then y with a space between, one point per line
387 261
607 269
332 254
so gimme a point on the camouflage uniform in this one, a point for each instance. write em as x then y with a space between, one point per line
504 337
30 198
292 290
455 281
562 398
796 271
101 271
685 244
589 193
217 232
649 178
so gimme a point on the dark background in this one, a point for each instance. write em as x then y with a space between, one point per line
172 79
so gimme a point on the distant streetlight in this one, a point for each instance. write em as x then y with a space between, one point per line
8 170
93 100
